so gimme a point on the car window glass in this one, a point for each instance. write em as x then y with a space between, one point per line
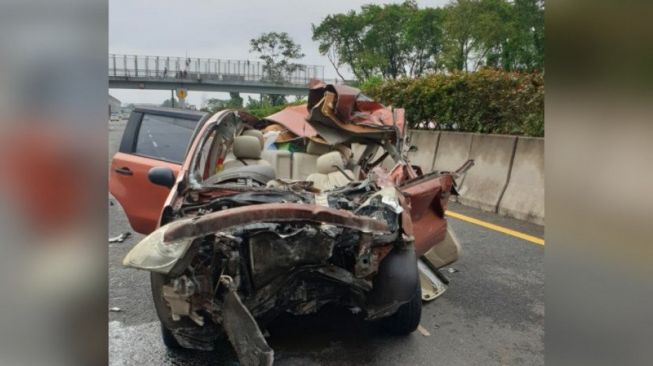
164 138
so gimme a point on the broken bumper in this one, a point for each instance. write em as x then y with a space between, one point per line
277 257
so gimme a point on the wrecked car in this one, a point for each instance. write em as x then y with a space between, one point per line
235 245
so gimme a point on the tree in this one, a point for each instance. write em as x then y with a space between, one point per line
397 40
460 31
235 101
526 47
169 102
493 27
425 39
277 51
340 38
214 104
494 33
392 40
264 107
384 38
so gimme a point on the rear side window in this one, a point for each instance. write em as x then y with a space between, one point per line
164 138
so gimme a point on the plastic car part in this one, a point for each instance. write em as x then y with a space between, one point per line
243 331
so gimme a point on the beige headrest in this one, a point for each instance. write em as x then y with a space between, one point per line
247 147
314 148
347 153
256 133
327 163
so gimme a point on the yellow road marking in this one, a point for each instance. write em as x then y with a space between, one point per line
501 229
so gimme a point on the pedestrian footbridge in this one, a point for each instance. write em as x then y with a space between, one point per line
205 74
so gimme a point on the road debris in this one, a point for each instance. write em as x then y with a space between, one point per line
120 238
432 286
423 330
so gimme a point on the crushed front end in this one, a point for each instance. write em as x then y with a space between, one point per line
236 261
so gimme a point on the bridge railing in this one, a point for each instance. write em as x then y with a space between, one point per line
205 69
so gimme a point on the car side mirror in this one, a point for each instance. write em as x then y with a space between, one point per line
162 176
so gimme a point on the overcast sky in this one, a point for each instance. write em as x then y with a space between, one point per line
216 29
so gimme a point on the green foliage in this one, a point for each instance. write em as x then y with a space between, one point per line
277 51
169 102
425 38
214 105
371 83
391 40
494 33
397 40
339 38
487 101
264 107
258 107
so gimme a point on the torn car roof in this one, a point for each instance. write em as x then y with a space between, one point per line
340 112
294 119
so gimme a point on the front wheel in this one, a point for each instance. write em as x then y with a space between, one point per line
169 340
407 318
189 334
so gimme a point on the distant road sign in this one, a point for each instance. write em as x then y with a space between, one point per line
182 93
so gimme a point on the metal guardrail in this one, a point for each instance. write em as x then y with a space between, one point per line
205 69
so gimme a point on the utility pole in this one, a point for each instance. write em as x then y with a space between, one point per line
172 97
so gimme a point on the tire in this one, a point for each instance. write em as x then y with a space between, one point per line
163 312
194 336
169 340
407 318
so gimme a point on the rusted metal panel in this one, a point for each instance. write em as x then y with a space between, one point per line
294 119
428 229
350 105
220 220
339 111
427 213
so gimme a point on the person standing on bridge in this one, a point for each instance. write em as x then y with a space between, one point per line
185 72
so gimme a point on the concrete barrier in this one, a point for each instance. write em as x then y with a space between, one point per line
524 196
508 175
453 150
487 179
427 144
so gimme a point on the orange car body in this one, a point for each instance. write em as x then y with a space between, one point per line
141 200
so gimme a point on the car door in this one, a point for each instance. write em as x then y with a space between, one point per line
428 195
151 139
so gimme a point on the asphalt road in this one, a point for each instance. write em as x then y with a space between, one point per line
492 314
